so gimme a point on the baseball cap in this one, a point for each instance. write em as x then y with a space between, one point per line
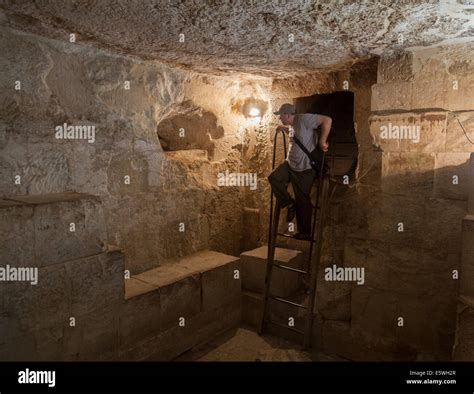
286 109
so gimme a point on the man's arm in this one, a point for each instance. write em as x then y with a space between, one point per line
325 122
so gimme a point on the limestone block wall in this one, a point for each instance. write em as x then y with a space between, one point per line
64 306
411 199
463 349
147 189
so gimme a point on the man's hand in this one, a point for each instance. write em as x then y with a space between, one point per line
283 128
325 122
323 145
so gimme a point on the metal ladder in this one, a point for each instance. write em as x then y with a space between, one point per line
322 199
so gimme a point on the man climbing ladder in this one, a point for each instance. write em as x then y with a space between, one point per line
298 168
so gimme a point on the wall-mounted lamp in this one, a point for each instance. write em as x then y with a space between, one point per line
254 112
254 109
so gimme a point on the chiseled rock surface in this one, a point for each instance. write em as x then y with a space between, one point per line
267 38
437 78
408 274
36 231
147 188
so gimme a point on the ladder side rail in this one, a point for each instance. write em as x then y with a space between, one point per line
315 268
270 219
275 139
333 147
272 233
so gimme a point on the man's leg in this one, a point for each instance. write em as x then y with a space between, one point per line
302 182
279 179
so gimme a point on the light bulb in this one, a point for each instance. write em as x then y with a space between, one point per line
254 112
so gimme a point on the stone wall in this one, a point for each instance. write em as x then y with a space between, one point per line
128 190
147 189
66 305
150 181
463 349
404 223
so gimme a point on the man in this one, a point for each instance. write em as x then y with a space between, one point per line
297 168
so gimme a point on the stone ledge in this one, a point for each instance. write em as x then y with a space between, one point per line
39 199
183 288
466 301
469 218
173 271
135 287
282 255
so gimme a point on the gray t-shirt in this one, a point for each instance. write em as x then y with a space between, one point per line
303 127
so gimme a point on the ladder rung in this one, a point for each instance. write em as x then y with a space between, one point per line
287 327
292 236
285 267
289 302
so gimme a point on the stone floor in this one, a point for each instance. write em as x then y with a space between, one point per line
243 344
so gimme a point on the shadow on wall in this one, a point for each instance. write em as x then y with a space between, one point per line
193 129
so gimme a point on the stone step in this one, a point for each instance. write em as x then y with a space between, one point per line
254 266
203 288
252 304
252 307
36 229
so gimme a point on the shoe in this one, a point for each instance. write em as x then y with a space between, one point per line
291 212
303 236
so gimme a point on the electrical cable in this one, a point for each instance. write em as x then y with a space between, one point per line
462 127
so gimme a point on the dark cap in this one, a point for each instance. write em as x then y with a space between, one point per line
286 109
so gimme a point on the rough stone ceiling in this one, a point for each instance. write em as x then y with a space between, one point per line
228 36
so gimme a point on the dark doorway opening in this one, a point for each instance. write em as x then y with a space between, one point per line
343 147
